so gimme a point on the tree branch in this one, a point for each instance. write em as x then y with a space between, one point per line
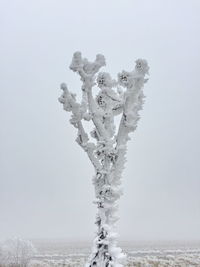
69 104
87 71
134 98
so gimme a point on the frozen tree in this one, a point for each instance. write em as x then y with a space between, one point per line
106 144
16 252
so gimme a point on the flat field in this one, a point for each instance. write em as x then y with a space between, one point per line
139 254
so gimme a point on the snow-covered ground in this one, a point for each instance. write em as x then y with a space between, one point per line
60 253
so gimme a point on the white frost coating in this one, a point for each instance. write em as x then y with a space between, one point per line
16 252
107 152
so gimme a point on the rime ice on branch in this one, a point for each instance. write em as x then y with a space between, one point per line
106 144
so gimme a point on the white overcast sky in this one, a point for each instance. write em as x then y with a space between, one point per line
45 178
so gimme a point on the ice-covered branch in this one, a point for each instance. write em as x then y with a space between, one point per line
87 71
133 98
69 104
133 102
84 67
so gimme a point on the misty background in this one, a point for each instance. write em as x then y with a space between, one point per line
45 178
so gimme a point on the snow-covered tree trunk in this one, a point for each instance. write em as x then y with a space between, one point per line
106 145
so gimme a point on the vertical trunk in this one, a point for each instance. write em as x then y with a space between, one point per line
105 251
